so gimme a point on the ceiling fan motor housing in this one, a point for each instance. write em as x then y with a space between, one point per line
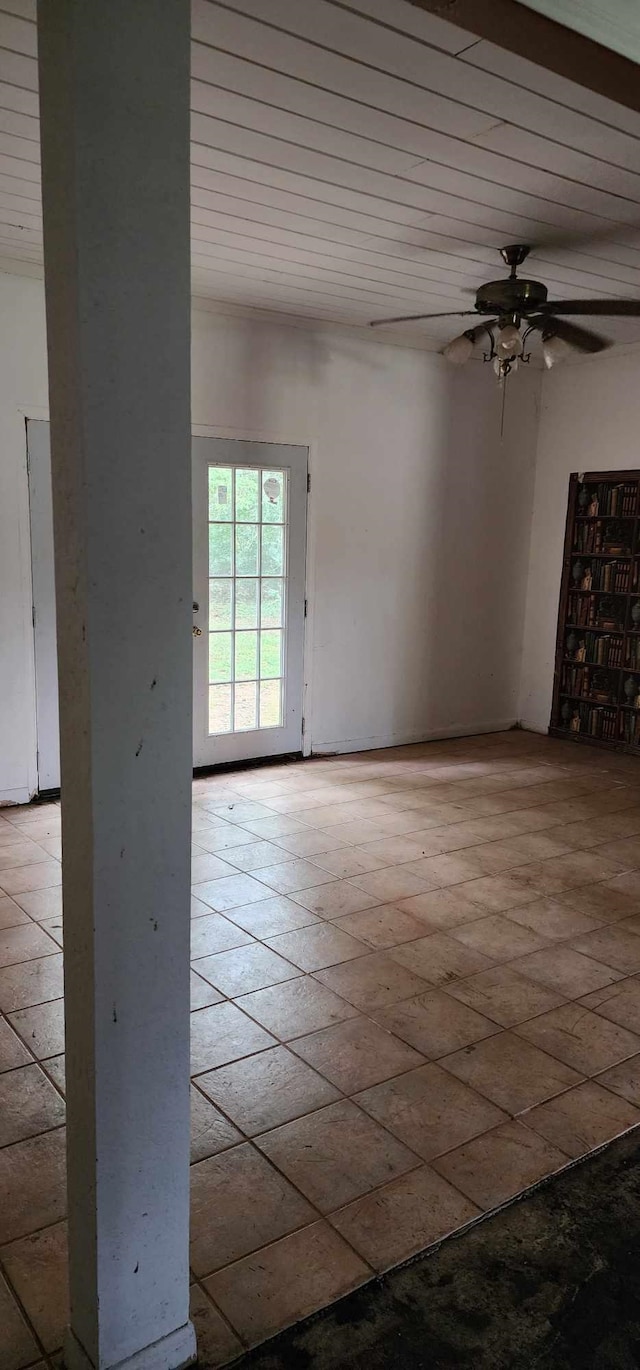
511 296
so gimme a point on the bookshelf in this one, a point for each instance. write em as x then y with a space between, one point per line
596 693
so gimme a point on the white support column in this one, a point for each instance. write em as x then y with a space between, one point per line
114 94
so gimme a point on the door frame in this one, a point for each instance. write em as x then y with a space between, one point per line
285 439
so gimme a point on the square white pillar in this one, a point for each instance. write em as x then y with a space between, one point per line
114 96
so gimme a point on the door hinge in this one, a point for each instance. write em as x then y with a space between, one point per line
33 615
306 603
308 481
304 725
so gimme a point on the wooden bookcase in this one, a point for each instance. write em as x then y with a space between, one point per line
596 694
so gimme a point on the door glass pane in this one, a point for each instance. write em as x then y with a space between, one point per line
272 603
247 597
247 496
220 494
220 549
247 548
273 496
270 703
270 653
220 604
246 713
272 551
220 708
219 657
247 603
246 656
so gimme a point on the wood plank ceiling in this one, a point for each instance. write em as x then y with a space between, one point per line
361 159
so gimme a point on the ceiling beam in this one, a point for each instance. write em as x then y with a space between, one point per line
529 34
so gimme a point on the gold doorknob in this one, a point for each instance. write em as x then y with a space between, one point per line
197 632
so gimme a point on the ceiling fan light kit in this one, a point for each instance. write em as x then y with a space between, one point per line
515 308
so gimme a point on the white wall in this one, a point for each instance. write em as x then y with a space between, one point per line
590 421
419 520
23 391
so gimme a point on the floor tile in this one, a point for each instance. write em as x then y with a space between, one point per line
335 900
208 866
504 996
264 1091
496 893
222 1033
315 947
348 861
555 922
336 1154
440 958
32 1183
231 891
245 969
287 1281
383 927
569 972
620 1003
287 877
54 1067
12 1051
29 1104
510 1071
239 1203
37 1268
223 838
393 851
430 1110
435 1023
582 1118
214 933
372 981
11 915
39 876
607 900
356 1054
580 1038
442 909
296 1007
202 993
239 811
309 842
615 946
252 855
30 982
217 1343
272 916
403 1217
41 1027
498 938
18 1347
279 825
21 852
388 886
501 1163
211 1132
26 943
624 1080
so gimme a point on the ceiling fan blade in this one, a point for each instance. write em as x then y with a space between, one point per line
411 318
605 308
581 338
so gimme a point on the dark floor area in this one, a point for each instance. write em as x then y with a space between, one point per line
551 1283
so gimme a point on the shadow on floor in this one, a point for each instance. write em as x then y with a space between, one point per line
551 1283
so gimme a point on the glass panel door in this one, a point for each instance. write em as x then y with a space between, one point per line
251 498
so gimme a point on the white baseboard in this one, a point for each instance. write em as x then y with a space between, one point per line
21 796
368 744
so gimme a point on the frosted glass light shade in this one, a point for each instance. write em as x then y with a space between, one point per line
508 341
458 350
553 350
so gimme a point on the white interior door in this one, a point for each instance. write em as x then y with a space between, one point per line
44 605
249 521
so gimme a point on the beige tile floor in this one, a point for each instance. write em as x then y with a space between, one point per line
415 993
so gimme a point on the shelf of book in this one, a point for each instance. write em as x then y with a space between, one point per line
596 695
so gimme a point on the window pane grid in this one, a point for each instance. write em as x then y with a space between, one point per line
248 553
